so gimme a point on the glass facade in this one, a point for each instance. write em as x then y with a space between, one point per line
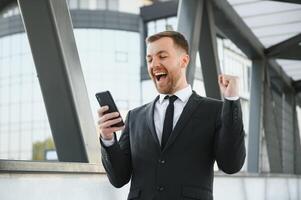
109 59
159 25
23 118
94 4
109 62
128 6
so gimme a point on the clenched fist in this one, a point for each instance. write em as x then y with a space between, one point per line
105 122
229 85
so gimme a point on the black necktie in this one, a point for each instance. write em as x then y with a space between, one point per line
168 121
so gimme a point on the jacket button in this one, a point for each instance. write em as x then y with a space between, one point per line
162 161
160 188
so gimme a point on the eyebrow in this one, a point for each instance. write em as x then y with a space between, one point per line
162 51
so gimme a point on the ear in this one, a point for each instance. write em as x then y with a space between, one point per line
185 60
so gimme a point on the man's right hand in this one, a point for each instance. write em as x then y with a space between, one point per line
105 121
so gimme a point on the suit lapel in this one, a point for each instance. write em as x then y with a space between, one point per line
150 120
188 111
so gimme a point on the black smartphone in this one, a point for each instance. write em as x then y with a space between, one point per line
105 99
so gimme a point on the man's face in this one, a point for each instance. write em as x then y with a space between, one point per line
166 65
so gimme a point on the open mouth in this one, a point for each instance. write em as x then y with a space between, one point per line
160 75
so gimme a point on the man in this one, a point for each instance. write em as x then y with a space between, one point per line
168 147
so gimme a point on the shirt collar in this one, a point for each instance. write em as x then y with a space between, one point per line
182 94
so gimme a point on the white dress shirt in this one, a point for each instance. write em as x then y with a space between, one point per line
161 106
160 109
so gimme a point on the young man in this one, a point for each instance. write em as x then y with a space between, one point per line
168 147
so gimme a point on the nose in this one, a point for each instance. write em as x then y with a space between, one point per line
155 63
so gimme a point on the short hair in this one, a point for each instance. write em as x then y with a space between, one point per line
178 39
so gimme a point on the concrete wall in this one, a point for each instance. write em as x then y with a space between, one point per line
64 186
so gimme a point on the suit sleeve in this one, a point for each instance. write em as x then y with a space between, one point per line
229 145
116 159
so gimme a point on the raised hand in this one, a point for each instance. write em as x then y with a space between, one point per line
229 85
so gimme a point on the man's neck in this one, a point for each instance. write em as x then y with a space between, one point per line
185 85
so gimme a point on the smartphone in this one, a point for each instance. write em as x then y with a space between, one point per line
105 99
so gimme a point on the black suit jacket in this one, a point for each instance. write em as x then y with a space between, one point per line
208 130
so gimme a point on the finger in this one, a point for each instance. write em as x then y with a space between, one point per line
102 130
223 81
109 116
109 123
115 129
230 77
102 109
220 79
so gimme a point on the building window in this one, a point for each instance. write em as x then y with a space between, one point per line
161 25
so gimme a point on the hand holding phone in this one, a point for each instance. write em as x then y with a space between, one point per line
110 120
106 99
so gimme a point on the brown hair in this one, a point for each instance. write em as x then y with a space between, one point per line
177 38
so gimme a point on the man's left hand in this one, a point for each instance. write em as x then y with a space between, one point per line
229 85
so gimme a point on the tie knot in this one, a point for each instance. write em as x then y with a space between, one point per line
171 98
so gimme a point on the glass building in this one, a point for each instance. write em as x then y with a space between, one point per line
110 60
110 56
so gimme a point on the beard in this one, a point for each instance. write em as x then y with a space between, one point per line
168 84
166 88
